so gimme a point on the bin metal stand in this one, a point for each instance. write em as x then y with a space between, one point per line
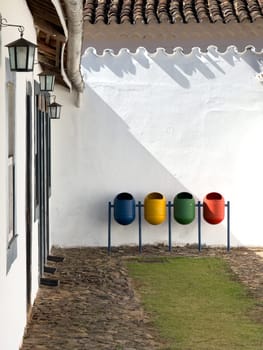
139 205
109 226
228 225
169 205
169 226
199 205
227 205
110 206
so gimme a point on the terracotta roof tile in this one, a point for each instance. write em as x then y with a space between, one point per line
126 11
162 11
175 11
228 11
242 11
254 9
150 11
138 12
202 11
215 11
172 11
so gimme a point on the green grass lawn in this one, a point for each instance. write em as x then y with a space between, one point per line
195 304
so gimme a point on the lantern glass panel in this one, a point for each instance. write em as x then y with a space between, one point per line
12 59
46 82
49 82
42 80
21 57
31 56
58 112
53 112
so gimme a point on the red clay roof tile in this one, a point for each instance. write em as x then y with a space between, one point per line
172 11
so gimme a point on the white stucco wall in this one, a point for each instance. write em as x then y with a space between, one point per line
158 122
13 283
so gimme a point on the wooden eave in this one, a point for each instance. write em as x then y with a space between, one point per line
50 37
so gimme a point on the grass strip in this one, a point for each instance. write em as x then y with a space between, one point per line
196 304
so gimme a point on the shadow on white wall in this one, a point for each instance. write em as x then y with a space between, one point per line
103 159
159 122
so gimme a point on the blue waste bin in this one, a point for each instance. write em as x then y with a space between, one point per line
124 208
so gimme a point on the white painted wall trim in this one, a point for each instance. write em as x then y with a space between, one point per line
169 36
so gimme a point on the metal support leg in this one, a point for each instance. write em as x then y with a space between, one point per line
169 227
199 225
140 225
109 227
228 225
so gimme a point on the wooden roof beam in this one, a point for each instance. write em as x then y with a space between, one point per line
48 28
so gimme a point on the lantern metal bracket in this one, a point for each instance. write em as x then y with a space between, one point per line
4 23
54 98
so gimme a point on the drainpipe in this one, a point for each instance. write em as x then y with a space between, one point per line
57 5
74 10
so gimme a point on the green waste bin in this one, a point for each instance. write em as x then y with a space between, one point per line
184 208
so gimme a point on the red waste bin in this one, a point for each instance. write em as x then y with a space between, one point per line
214 208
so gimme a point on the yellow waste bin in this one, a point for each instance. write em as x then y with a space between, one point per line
155 208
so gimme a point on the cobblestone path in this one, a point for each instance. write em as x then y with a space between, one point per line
95 307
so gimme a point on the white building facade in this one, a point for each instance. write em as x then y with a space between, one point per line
18 286
25 182
166 108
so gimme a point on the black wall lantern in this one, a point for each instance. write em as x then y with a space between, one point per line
54 109
21 51
47 81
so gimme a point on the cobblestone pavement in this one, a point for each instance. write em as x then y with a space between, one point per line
95 307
